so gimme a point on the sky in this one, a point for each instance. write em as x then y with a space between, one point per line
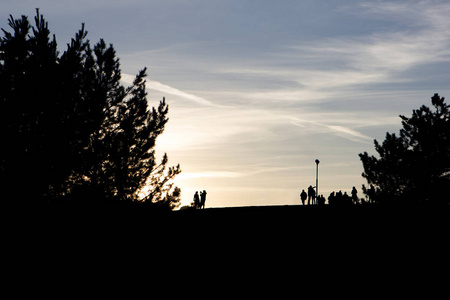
258 90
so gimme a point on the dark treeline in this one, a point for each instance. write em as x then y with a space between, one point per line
69 131
414 166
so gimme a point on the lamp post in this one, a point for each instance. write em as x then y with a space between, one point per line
317 179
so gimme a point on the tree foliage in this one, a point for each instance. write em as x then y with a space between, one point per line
413 166
69 129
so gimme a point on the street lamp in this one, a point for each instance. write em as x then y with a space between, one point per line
317 179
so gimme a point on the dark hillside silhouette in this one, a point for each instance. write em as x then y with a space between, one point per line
69 130
414 166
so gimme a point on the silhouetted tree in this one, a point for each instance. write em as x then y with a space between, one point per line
34 120
414 166
69 128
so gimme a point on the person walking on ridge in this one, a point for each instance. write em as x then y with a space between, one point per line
311 194
303 196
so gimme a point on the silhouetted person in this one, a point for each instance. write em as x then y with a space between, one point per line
202 199
311 194
331 199
321 200
303 196
196 200
339 198
355 195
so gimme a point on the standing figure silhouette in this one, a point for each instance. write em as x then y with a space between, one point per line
202 199
311 195
196 200
303 196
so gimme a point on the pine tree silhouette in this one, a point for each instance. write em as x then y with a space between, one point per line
413 166
69 129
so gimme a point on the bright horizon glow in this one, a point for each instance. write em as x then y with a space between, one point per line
257 90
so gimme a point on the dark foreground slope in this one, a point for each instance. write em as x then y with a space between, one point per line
268 241
310 216
296 222
326 222
367 214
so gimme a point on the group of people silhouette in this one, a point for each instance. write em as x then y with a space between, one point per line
199 201
311 196
334 198
344 199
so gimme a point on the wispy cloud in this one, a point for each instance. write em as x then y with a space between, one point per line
326 68
380 55
338 130
212 174
166 89
350 134
158 86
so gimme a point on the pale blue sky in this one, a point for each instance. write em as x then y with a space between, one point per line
259 89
